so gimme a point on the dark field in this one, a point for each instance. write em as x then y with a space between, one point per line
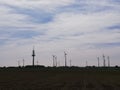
60 79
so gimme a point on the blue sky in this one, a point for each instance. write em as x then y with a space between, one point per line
85 29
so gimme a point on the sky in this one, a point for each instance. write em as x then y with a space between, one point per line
84 29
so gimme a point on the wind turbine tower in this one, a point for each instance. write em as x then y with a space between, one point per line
53 60
65 54
33 55
108 61
86 63
56 61
98 62
23 62
104 61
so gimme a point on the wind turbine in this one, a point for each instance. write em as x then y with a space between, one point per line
98 61
65 54
86 63
53 60
56 61
104 62
108 61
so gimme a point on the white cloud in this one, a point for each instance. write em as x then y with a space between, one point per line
70 24
41 4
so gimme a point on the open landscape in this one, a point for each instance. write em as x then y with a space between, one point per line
61 78
59 44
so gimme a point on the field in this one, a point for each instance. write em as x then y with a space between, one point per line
60 79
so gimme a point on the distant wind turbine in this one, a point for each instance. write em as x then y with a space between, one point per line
65 54
108 61
104 62
53 60
56 61
86 63
98 61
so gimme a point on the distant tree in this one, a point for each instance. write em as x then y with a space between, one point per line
116 66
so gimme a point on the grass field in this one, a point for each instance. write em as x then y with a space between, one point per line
60 79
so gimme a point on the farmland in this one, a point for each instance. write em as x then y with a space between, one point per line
50 78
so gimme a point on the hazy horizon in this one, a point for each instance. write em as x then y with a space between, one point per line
84 29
